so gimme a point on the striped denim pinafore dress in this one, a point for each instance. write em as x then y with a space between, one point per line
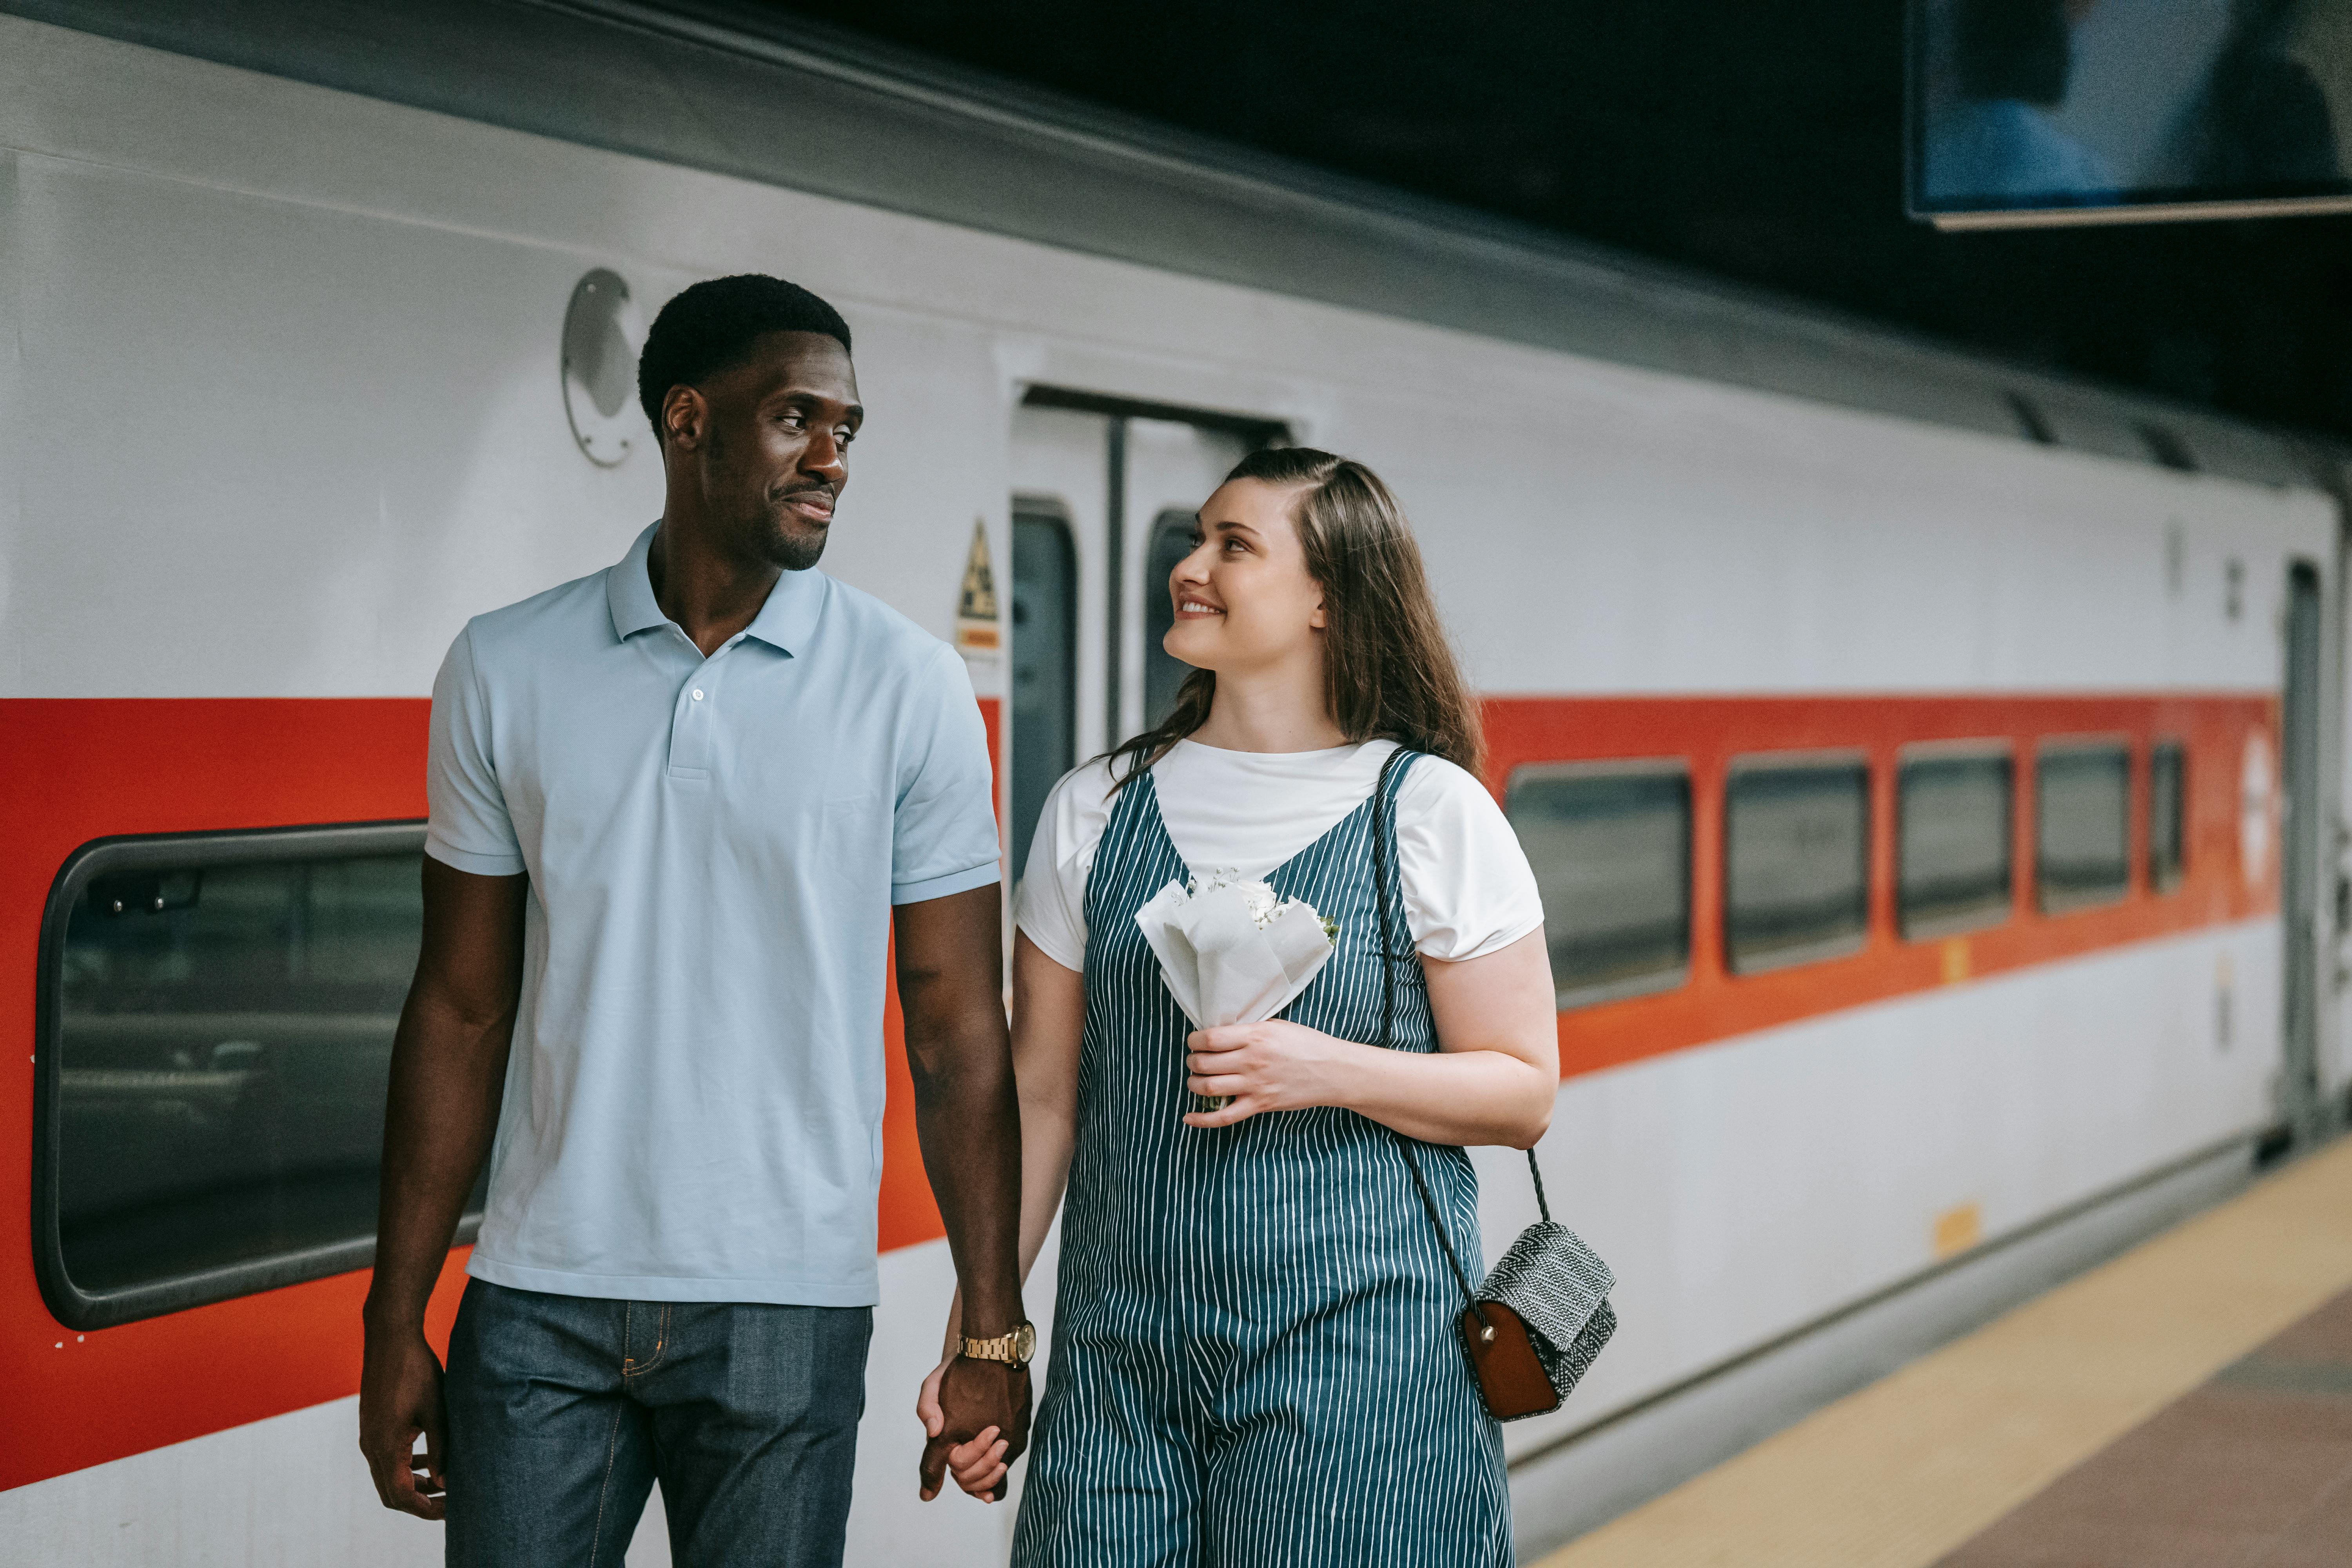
1254 1363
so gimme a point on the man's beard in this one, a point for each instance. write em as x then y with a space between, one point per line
766 527
794 552
786 542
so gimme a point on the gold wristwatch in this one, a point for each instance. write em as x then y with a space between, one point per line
1013 1349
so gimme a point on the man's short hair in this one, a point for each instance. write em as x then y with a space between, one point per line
711 325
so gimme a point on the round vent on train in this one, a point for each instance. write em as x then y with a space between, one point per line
603 331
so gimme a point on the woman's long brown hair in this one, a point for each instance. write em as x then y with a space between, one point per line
1389 673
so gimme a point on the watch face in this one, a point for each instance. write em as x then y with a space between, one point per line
1024 1342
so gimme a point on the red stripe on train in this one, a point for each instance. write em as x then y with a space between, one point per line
83 770
87 769
1709 731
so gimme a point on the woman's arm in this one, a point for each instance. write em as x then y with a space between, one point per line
1049 1009
1493 1078
1049 1014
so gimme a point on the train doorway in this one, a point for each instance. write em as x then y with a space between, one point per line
1104 493
2299 1091
1045 661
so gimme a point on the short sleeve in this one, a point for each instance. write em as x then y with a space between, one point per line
1468 889
468 827
943 826
1051 904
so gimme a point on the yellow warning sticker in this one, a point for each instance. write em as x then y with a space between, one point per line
1958 1229
977 628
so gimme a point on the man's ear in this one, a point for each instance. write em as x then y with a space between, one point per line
685 417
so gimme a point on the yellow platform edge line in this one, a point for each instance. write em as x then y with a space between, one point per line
1904 1472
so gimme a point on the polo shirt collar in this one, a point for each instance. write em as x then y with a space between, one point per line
785 622
629 590
788 619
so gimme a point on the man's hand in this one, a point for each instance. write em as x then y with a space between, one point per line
448 1070
980 1425
400 1398
968 1119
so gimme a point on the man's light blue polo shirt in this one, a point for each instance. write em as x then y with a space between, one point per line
694 1103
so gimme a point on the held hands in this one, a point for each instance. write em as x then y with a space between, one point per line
1273 1066
976 1415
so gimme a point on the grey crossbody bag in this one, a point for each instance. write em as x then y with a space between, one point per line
1542 1316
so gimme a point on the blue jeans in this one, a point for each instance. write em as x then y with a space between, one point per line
563 1410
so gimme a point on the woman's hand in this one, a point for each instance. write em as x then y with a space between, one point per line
1493 1078
1273 1066
979 1466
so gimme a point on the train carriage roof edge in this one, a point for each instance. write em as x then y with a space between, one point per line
736 90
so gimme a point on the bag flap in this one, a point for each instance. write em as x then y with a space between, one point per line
1552 1280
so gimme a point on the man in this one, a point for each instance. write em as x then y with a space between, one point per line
673 807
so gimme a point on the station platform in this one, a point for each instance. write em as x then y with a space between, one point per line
2188 1402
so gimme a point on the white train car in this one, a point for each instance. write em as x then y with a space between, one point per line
1933 768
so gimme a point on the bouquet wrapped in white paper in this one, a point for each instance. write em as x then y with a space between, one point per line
1233 951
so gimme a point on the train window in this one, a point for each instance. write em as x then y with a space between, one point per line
1172 540
1609 843
1045 666
2082 825
2167 813
1796 865
216 1022
1952 839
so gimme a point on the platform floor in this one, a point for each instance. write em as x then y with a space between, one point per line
2189 1403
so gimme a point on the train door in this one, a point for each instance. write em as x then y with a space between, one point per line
1045 660
1103 505
2299 1091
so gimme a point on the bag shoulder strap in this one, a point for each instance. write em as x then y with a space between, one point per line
1381 834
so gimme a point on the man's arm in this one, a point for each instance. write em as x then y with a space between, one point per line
448 1072
951 992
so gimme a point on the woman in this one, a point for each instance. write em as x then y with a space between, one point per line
1253 1354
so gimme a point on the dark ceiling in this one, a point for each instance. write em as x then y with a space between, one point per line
1759 140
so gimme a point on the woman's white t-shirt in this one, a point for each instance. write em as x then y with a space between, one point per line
1469 890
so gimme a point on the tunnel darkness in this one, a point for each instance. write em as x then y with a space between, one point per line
1763 143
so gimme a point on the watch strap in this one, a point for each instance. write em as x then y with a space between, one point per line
1012 1348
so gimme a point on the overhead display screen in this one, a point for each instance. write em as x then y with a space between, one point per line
2053 112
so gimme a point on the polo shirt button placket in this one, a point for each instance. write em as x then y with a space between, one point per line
689 736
